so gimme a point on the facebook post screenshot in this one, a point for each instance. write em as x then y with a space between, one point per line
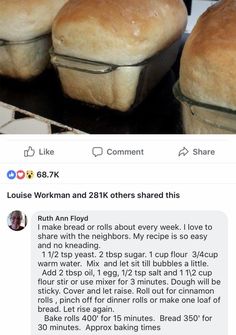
115 235
117 167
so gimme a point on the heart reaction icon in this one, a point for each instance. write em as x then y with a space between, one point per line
20 174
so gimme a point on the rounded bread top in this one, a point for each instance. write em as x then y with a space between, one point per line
26 19
208 62
118 31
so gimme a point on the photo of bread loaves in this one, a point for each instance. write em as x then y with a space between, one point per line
208 72
112 53
25 28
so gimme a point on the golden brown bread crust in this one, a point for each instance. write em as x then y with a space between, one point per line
208 63
26 19
119 32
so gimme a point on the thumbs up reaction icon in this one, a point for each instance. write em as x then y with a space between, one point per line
29 152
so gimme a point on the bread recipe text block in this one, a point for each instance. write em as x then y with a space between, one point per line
114 272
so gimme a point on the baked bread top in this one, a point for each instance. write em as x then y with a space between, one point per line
26 19
118 32
208 62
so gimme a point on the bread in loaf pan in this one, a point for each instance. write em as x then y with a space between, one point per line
123 34
25 26
208 68
208 62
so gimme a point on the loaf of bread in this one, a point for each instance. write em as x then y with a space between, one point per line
123 33
24 39
208 63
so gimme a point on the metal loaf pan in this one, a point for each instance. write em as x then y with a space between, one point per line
120 87
202 118
24 59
